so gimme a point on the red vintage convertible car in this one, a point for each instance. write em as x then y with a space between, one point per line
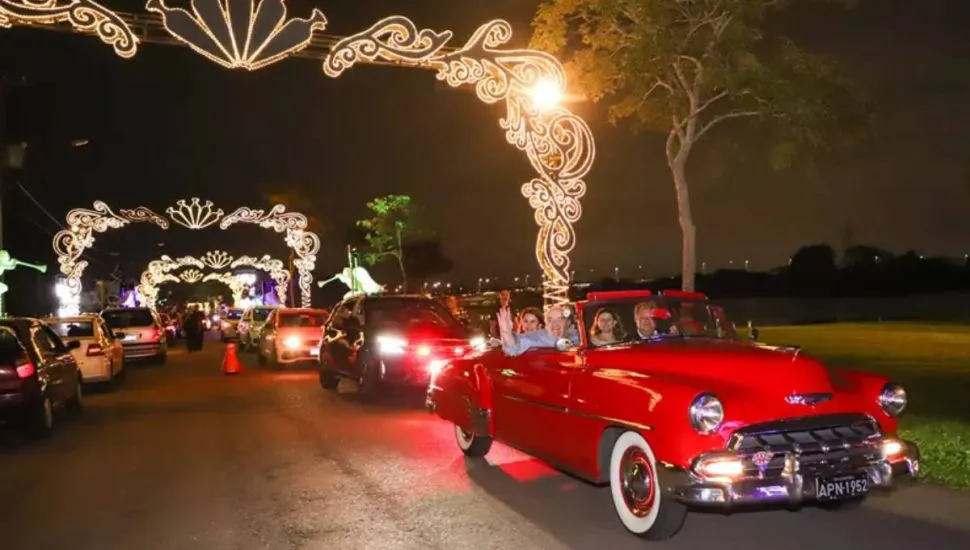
676 411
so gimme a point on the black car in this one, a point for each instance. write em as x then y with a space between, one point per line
37 375
389 340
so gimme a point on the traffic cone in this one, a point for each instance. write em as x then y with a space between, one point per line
230 362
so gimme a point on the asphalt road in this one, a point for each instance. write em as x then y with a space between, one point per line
183 457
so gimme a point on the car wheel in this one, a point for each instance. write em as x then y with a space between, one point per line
368 384
636 491
75 404
328 381
39 420
475 446
161 359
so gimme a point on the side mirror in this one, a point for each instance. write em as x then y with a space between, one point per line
564 344
73 344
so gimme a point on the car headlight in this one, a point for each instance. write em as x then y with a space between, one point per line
292 342
391 345
892 399
706 413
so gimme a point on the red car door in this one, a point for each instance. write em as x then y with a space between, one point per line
531 399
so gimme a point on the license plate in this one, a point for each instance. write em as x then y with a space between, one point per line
131 337
314 351
841 487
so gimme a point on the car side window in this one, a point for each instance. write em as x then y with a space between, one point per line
59 346
42 342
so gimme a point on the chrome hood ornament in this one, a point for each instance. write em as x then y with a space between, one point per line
808 399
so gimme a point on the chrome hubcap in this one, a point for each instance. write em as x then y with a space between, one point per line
636 478
464 438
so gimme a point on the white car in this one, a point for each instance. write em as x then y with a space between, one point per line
100 356
229 322
250 326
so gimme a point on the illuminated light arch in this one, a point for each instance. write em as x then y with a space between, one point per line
83 223
193 276
160 271
557 142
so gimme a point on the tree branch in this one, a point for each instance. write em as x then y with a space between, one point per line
714 99
721 118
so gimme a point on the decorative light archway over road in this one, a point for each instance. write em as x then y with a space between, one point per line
83 223
160 271
244 34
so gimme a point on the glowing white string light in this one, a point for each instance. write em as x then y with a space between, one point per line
531 83
558 143
195 214
159 271
84 15
191 276
239 34
83 223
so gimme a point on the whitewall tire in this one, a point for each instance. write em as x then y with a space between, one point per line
637 493
472 445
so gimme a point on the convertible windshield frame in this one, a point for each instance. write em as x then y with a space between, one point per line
713 320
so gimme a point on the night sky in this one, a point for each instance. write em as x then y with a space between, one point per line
169 124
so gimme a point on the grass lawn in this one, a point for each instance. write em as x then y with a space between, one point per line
932 361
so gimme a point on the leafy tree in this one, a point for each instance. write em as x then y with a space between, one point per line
683 67
387 229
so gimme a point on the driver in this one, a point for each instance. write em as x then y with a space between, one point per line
556 328
646 314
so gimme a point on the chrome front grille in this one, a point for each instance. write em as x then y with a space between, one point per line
829 443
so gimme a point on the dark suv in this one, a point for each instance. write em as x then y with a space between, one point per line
38 374
389 340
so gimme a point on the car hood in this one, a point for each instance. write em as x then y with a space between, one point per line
754 381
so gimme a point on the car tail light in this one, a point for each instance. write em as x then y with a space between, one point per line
25 370
156 334
95 349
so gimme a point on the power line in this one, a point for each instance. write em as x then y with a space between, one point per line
51 216
51 234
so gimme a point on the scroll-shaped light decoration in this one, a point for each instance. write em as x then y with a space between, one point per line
239 34
191 276
194 214
558 144
216 259
82 223
304 243
85 16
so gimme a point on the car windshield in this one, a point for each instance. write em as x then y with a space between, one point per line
124 318
406 315
73 329
261 313
10 350
234 314
301 319
616 321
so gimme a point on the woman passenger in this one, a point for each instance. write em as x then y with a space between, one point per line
607 328
529 320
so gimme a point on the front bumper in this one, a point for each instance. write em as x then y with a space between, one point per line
794 484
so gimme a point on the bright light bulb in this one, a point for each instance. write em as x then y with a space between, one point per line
546 94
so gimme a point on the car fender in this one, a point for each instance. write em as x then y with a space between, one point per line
654 406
